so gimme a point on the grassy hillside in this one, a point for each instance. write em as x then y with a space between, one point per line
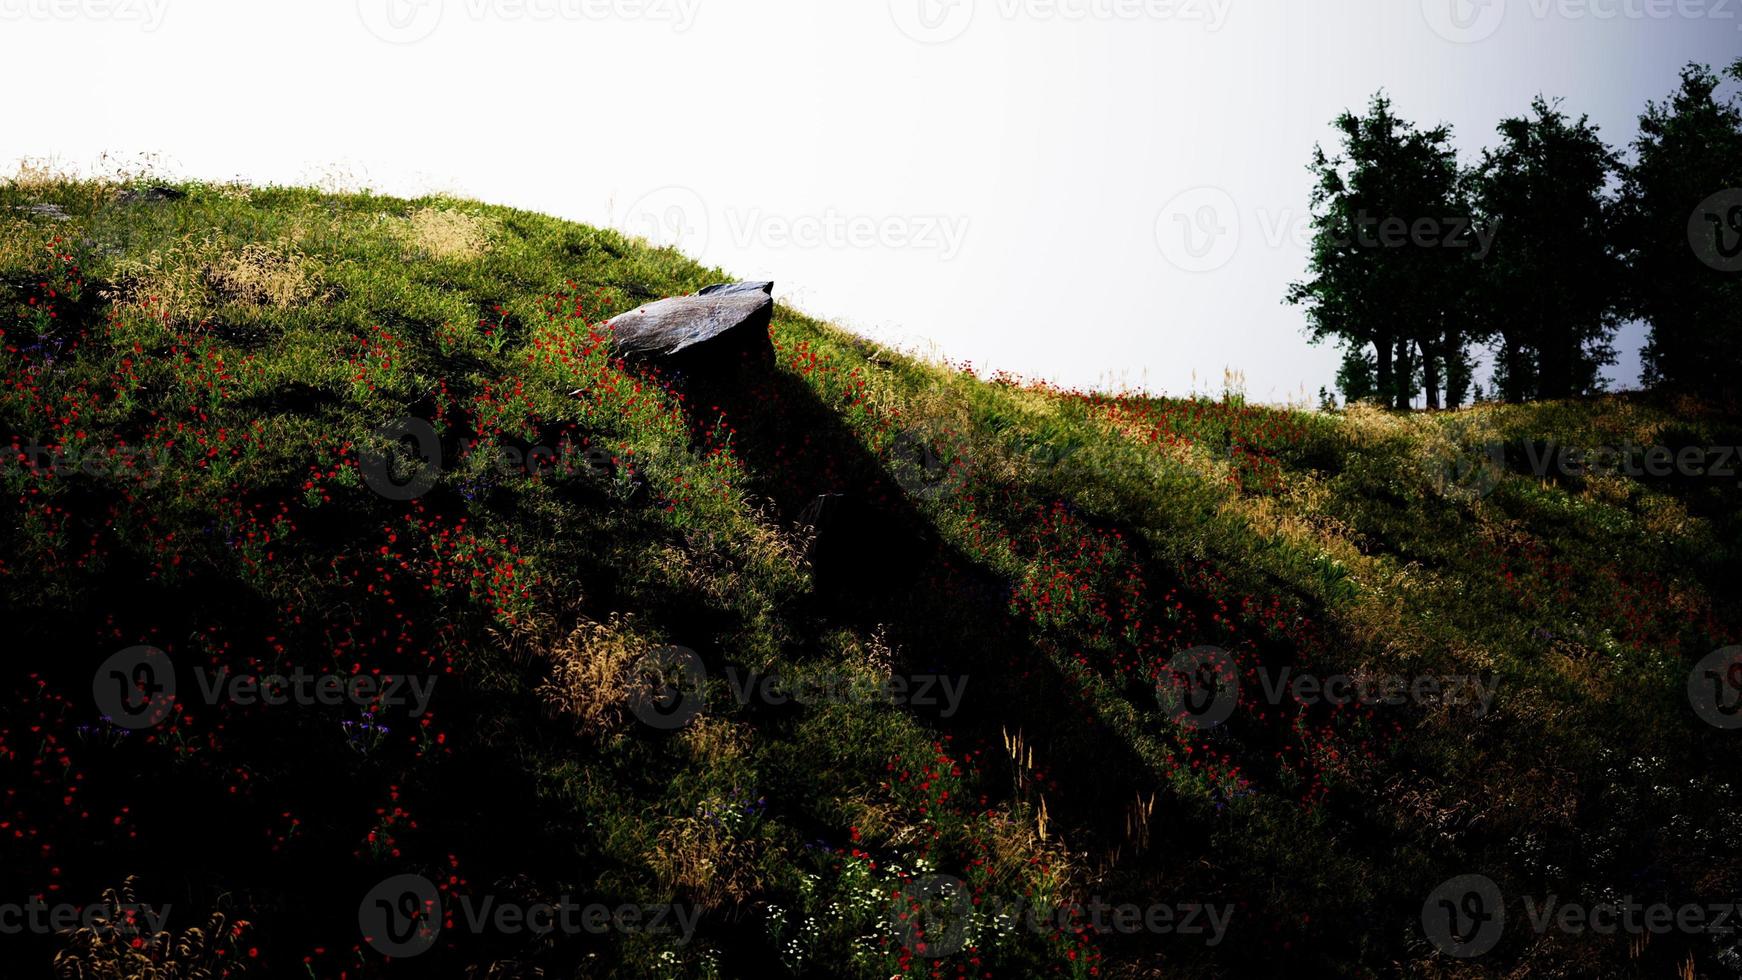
196 386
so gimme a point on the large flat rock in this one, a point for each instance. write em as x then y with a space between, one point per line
718 325
728 288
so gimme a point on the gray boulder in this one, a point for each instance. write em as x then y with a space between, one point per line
51 211
728 288
692 328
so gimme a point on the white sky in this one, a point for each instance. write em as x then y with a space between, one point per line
1004 179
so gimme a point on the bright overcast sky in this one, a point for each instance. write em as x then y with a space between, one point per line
1010 182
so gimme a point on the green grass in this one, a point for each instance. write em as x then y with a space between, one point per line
229 355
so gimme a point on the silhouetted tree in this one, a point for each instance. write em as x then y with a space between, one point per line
1684 231
1551 288
1386 217
1355 377
1451 290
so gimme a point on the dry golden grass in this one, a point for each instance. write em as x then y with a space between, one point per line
704 861
1017 853
700 571
234 190
109 952
170 282
1297 517
192 278
444 233
274 274
714 742
874 654
22 242
1367 423
32 174
1583 668
41 174
586 674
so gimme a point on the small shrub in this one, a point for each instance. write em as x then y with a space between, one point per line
586 676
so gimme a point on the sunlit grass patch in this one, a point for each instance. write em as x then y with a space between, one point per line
445 233
195 277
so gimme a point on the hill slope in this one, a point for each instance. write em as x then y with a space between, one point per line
916 619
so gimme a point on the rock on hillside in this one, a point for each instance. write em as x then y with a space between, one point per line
719 324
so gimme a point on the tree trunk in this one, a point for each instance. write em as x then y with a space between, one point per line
1457 373
1514 368
1405 379
1555 374
1382 366
1430 372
